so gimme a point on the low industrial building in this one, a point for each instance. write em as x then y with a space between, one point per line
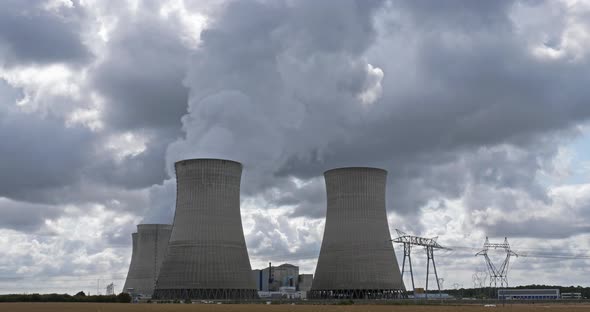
283 281
528 294
433 295
571 295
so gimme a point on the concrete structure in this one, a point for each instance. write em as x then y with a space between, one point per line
284 275
304 283
207 256
259 279
152 240
356 259
528 294
131 280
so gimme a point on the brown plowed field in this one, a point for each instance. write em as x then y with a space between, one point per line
118 307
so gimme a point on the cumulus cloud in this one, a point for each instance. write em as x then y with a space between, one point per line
64 152
70 254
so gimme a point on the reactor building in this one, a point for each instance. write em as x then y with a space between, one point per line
207 256
149 248
356 258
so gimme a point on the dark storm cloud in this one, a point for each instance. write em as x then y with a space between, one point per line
308 200
135 171
140 78
24 216
480 87
30 34
142 75
56 173
47 164
39 153
457 14
482 90
466 109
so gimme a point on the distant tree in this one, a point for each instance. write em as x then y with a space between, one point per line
123 297
80 294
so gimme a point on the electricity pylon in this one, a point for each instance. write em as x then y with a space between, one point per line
497 274
430 245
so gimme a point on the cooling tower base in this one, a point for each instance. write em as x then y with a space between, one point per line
356 294
211 294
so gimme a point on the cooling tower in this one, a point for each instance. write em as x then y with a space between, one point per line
207 256
130 282
152 240
356 259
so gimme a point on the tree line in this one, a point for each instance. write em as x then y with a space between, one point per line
79 297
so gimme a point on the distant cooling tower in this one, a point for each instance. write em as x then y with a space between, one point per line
356 259
131 281
207 256
148 255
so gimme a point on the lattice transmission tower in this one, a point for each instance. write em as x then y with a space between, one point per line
497 275
429 244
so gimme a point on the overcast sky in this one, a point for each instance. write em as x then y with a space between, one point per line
478 110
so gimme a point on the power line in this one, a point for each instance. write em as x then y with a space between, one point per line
549 254
572 257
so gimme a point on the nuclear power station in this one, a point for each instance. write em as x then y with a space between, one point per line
150 244
356 259
203 254
207 256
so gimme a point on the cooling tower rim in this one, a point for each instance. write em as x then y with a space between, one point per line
345 169
194 160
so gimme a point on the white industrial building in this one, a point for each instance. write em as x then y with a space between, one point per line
528 294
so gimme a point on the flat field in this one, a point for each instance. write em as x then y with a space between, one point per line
119 307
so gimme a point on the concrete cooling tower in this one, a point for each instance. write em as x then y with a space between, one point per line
356 259
130 282
148 254
207 256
